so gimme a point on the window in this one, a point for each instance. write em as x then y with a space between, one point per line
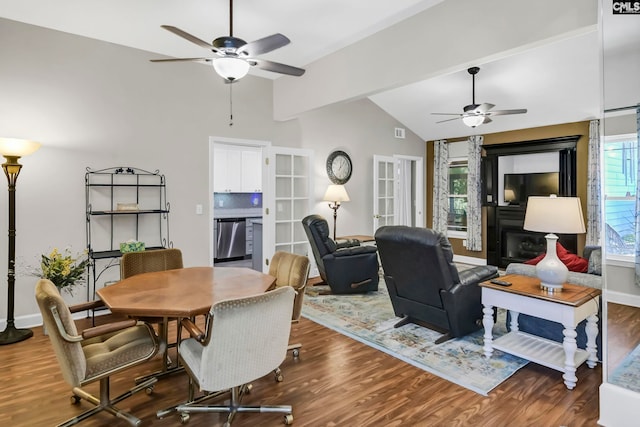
457 220
620 164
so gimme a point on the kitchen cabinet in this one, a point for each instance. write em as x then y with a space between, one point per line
237 169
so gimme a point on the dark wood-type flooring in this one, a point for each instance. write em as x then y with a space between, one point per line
335 382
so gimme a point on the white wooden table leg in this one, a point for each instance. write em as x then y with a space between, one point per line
570 347
487 322
514 321
592 332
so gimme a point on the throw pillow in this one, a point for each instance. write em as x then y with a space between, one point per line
573 262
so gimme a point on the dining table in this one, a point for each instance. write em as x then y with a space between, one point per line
181 293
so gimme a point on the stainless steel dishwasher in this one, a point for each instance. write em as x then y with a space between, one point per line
230 238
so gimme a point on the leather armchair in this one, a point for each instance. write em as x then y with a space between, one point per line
347 268
424 284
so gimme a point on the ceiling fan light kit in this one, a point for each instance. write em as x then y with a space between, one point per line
477 114
231 69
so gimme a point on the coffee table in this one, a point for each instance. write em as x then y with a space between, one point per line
568 307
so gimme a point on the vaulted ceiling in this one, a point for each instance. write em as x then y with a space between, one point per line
408 56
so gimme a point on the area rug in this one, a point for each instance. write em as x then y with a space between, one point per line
369 318
627 374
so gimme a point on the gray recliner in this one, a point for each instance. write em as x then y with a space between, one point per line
424 284
348 268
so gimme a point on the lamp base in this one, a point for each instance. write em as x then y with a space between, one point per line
12 335
550 270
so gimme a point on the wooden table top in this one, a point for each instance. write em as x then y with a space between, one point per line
571 294
184 292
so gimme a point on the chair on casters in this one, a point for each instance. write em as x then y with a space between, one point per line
133 263
347 268
96 353
291 270
245 339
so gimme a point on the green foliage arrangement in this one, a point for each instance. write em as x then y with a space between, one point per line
63 269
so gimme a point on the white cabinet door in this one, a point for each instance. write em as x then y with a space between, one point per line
227 170
251 171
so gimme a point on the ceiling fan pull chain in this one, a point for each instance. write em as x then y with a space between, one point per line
230 105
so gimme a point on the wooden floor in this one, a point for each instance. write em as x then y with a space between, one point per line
335 382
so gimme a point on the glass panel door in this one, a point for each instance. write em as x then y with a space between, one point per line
384 181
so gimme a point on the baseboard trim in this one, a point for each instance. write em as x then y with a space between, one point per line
469 260
35 320
622 298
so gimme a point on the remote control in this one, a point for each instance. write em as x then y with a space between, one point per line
500 282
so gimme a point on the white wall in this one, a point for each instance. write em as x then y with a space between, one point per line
95 104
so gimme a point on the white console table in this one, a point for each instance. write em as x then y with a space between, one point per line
569 307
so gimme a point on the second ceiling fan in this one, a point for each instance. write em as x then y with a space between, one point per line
233 56
476 114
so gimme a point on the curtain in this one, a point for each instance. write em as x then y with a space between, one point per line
440 185
405 210
594 186
474 190
637 224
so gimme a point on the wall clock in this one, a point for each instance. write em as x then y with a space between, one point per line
339 167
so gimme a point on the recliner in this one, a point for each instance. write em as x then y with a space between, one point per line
347 270
425 285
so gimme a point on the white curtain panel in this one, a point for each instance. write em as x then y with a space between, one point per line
404 193
474 190
594 186
637 225
440 186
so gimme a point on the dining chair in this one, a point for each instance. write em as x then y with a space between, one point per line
245 339
291 270
96 353
134 263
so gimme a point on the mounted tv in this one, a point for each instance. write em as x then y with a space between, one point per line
519 186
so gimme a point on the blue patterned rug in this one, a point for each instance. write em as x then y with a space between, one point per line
369 318
627 374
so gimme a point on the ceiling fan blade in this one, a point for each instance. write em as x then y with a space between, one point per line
264 45
505 112
182 60
483 108
446 114
276 67
448 120
486 120
193 39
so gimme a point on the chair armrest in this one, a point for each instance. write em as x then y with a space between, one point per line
478 274
355 250
110 327
84 306
348 243
193 330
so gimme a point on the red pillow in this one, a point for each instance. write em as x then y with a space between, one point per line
572 261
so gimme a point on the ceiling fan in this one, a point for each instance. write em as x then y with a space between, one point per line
476 114
233 56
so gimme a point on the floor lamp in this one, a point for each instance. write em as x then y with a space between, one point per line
335 194
12 149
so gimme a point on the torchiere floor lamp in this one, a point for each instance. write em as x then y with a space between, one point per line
12 149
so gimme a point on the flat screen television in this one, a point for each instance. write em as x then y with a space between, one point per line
519 186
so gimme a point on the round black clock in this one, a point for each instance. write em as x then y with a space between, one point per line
339 167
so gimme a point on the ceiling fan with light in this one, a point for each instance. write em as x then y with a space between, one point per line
233 56
476 114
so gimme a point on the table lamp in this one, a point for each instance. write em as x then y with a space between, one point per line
12 149
553 215
335 194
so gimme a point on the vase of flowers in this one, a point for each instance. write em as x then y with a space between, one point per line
63 269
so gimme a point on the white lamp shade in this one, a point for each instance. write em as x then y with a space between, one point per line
15 147
231 68
336 193
554 215
509 195
473 121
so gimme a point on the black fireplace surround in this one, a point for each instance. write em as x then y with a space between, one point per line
507 241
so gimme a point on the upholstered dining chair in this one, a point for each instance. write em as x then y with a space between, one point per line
95 353
291 270
245 339
133 263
